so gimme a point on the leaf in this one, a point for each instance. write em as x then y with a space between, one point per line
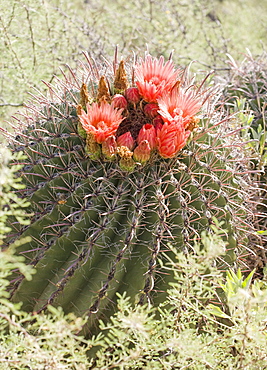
246 283
262 232
216 311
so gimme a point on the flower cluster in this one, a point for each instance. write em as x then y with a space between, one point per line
153 116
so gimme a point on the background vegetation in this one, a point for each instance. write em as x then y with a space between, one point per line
37 39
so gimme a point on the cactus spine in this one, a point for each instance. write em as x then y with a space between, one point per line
104 211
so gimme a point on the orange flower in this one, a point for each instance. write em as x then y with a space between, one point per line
102 120
171 138
179 104
154 77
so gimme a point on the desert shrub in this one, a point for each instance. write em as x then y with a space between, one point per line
30 341
188 331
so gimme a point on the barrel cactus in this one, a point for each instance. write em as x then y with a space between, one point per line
248 80
122 161
246 90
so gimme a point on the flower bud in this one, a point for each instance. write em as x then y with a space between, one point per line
119 101
103 91
151 110
126 140
142 152
120 82
132 95
109 147
148 132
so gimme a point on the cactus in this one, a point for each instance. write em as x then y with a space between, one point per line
107 198
247 81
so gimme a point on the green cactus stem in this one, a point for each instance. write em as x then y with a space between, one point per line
98 229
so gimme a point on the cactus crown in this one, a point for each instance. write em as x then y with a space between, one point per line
114 175
152 118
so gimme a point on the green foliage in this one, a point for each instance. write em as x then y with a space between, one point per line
36 341
234 282
185 332
37 37
30 341
252 134
10 203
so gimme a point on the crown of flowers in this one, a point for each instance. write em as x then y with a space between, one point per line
154 115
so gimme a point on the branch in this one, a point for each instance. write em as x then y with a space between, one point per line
11 104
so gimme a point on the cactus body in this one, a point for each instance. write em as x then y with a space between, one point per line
97 229
248 82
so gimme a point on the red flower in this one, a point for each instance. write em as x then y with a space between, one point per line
154 77
171 138
148 132
126 140
179 104
102 120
